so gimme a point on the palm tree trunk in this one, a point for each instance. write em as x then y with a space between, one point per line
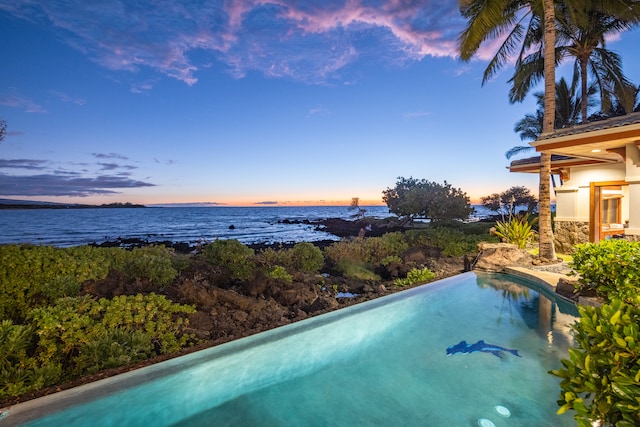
546 246
585 91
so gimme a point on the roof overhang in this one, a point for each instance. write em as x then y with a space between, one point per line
602 141
560 165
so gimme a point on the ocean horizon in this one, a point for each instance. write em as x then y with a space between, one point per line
255 224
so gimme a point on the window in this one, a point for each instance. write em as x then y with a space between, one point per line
611 210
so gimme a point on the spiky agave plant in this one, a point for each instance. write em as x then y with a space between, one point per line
517 230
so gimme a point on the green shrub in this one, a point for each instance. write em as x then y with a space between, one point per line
180 262
353 250
306 257
279 272
388 244
611 268
232 255
517 230
390 260
453 241
601 380
355 270
270 257
370 250
417 275
152 263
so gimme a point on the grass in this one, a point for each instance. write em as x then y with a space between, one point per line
564 257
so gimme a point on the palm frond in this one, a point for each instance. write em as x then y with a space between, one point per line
517 150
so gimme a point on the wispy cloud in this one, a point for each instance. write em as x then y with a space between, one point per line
28 164
55 179
115 166
415 115
65 185
164 162
109 156
318 111
305 40
64 97
141 87
25 104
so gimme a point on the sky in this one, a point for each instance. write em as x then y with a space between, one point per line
250 102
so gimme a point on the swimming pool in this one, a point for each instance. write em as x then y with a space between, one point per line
383 362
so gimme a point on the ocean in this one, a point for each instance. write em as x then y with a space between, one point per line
75 227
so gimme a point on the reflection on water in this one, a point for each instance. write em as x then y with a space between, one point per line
546 315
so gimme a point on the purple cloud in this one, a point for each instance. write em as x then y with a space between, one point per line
65 185
67 98
304 40
26 104
28 164
109 156
114 166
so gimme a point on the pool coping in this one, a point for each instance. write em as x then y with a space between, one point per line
546 279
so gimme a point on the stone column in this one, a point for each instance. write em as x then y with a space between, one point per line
569 233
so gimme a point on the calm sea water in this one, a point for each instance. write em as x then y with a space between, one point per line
73 227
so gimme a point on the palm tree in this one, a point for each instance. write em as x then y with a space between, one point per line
518 21
581 34
568 107
3 129
546 248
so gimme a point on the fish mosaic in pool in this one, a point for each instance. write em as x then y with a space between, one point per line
480 346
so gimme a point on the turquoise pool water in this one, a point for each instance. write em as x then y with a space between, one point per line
383 362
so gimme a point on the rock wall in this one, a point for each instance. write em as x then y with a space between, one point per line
497 256
567 234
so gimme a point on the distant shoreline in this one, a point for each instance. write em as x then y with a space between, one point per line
67 206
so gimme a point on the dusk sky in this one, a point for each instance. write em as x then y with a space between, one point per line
250 101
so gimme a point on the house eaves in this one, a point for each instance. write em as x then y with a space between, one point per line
600 141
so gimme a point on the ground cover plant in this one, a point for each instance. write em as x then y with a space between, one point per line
50 333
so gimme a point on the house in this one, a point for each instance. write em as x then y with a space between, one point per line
598 196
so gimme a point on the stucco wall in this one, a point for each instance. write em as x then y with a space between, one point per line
572 198
581 176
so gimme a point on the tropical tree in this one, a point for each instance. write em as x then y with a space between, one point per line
3 129
419 198
518 23
508 201
621 105
582 29
568 104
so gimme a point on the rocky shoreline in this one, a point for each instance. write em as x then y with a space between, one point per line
337 226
